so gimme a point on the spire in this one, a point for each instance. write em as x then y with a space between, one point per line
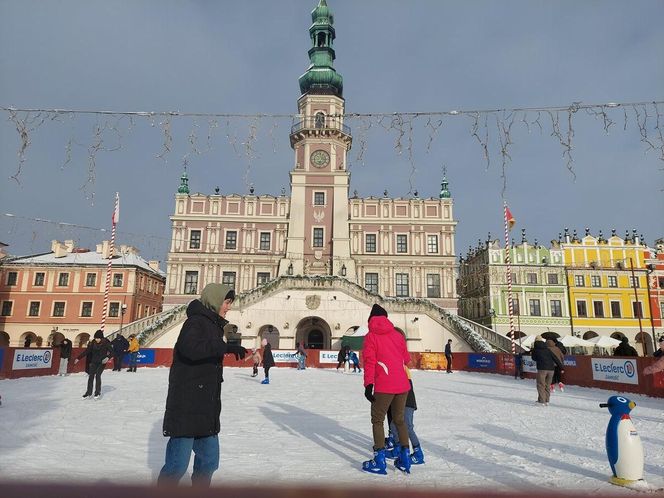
321 76
184 183
444 191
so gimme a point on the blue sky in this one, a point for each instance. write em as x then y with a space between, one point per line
395 56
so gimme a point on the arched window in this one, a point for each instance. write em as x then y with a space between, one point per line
233 336
320 40
315 339
320 120
4 340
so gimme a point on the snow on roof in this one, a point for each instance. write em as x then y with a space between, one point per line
90 258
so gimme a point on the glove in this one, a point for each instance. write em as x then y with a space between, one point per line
238 351
368 393
104 361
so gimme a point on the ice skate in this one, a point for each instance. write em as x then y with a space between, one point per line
417 457
377 464
552 388
265 381
97 396
402 462
389 443
87 395
561 386
393 452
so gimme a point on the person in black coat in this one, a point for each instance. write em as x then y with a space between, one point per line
98 352
193 405
342 357
448 355
660 351
625 349
120 345
65 354
546 362
268 360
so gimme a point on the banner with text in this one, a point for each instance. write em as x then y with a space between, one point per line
25 359
528 365
483 361
615 370
328 357
284 356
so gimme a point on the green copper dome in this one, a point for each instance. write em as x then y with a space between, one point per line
444 191
184 184
321 77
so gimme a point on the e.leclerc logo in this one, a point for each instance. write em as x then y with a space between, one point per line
629 369
47 356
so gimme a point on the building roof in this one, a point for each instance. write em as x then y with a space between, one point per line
90 258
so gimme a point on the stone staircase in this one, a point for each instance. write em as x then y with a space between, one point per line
147 327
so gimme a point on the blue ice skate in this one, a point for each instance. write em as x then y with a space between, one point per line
265 381
376 465
393 452
389 443
417 457
402 461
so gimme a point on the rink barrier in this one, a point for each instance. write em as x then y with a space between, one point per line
578 369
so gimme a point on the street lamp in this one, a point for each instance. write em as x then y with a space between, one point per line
123 310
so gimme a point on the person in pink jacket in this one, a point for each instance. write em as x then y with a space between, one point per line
658 366
386 386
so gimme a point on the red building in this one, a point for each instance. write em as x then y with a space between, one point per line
655 264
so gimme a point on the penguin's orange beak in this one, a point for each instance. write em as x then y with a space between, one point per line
632 405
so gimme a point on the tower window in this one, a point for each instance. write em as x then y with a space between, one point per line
320 120
321 40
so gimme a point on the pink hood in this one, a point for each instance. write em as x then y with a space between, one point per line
385 355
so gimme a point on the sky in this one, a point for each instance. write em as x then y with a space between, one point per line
290 434
245 58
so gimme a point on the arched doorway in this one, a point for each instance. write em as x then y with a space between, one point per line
82 340
4 340
271 333
55 338
27 339
314 332
618 335
233 335
589 335
644 343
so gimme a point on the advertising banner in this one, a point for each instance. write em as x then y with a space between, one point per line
284 356
432 361
2 356
528 365
25 359
145 357
570 361
615 370
483 361
328 357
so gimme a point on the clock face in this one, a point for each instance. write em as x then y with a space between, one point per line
320 158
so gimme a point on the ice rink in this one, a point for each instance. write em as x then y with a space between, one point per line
313 427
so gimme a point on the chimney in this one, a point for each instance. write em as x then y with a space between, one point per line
69 245
59 250
154 264
105 249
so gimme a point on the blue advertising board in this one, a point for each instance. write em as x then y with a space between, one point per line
145 357
2 356
483 361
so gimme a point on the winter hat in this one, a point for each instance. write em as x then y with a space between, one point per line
264 342
213 296
539 338
661 339
99 334
377 310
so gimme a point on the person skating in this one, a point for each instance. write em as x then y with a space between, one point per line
356 362
193 405
120 345
448 355
301 355
385 386
98 352
268 360
133 349
342 357
417 457
65 354
256 358
557 375
546 361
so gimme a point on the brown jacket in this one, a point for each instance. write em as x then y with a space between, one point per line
555 350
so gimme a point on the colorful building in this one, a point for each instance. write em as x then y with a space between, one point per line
46 297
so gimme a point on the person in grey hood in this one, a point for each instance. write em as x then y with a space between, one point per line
193 405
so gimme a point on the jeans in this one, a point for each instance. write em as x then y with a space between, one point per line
408 418
133 358
63 366
449 362
94 373
178 453
300 363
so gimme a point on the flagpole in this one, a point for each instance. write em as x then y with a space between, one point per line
111 251
510 302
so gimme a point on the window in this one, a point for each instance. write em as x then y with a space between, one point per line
514 279
613 281
39 279
634 282
432 244
318 237
534 305
191 282
370 242
86 308
581 309
262 277
114 310
598 309
402 243
117 280
516 309
320 117
552 278
637 309
265 241
596 281
231 239
59 308
579 281
556 308
34 308
12 277
319 198
7 308
371 282
90 279
615 309
660 282
433 285
228 278
63 279
402 284
532 278
195 239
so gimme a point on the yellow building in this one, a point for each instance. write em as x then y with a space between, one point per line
607 282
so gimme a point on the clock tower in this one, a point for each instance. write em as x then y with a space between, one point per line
318 232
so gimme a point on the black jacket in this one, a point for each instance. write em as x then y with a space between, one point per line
448 349
544 357
560 346
410 400
120 345
268 359
97 352
624 349
65 349
193 405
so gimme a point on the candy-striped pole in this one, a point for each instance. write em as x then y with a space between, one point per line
111 251
510 302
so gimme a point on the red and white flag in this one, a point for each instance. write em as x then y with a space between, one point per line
509 219
116 211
